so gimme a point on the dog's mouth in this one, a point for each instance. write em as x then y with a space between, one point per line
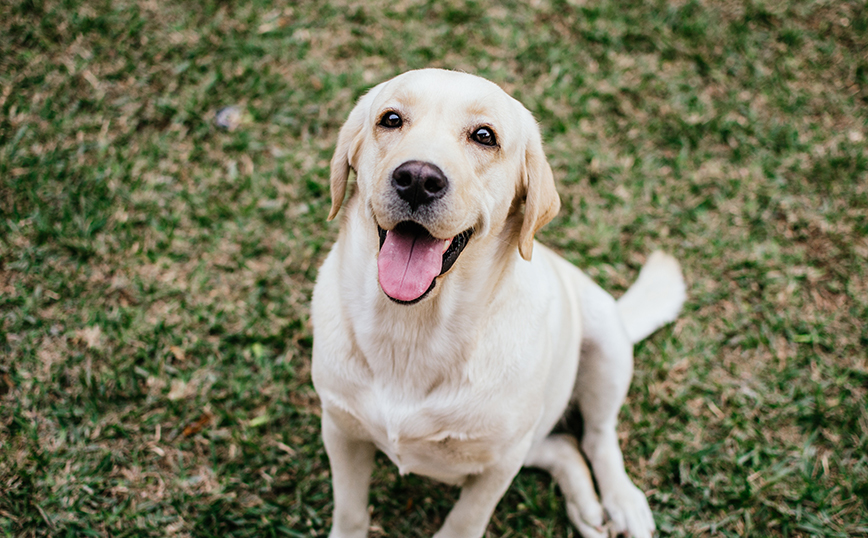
411 259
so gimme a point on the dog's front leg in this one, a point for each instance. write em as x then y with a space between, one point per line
480 495
351 462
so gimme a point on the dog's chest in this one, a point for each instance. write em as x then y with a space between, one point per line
443 436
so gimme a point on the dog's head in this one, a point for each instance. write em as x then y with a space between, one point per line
443 160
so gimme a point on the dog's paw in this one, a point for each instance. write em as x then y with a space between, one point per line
629 512
352 534
350 527
587 518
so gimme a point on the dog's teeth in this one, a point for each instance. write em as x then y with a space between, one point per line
446 244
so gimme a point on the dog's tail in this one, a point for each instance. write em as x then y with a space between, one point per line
654 299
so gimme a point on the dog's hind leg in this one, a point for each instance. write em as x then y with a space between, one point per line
605 371
559 455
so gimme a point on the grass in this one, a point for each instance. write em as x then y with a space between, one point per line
155 270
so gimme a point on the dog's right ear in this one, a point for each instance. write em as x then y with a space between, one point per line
346 153
538 187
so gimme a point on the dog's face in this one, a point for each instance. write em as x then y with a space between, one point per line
443 160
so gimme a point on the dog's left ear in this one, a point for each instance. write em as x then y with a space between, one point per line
344 158
541 196
347 149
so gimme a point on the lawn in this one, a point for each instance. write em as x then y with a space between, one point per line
156 268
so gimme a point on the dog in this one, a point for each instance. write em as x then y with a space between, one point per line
446 337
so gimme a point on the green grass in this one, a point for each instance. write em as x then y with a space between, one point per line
155 270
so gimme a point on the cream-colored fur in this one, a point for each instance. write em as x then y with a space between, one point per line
466 384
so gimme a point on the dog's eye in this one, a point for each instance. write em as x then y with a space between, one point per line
391 120
484 136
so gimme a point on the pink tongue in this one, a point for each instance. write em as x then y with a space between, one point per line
408 263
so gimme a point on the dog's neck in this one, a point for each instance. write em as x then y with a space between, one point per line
427 343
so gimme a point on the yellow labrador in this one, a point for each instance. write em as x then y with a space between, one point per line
440 340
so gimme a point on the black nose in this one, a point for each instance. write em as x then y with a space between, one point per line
419 183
